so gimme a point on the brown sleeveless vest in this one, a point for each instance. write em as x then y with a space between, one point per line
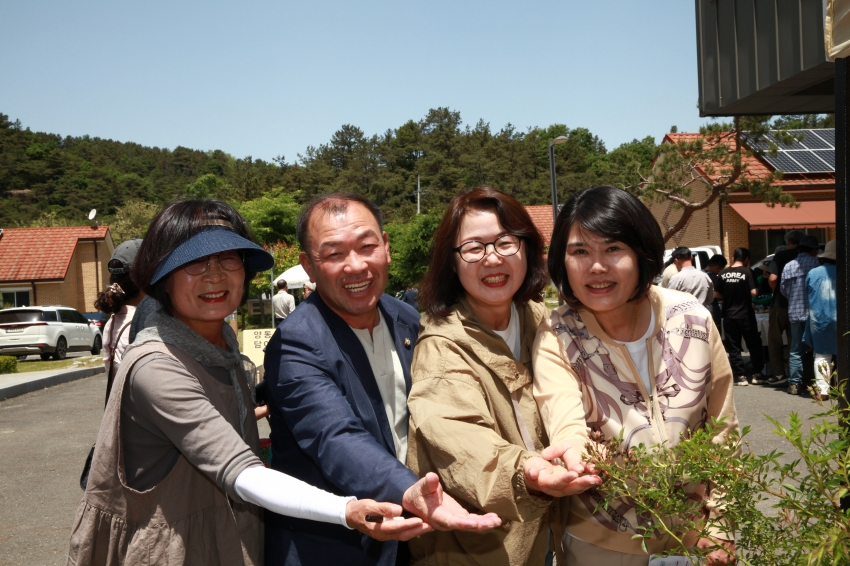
186 518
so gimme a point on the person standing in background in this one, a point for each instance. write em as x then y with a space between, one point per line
410 297
283 302
715 265
793 286
738 287
120 300
778 321
671 268
690 279
822 329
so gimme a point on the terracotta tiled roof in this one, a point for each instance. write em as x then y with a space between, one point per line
759 169
541 215
38 254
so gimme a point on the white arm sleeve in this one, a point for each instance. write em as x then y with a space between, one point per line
289 496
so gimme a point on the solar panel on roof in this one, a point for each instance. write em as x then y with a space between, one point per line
827 155
810 161
814 153
784 162
812 141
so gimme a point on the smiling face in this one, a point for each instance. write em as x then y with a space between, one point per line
348 259
202 301
490 283
603 273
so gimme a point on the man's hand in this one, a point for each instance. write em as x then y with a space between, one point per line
546 477
718 556
438 509
391 529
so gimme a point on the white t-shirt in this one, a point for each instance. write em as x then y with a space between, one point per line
386 366
511 334
640 356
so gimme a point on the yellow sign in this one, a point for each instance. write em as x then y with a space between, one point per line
254 343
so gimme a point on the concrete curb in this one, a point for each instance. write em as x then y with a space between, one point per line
17 389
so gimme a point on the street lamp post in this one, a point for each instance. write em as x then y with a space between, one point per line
552 144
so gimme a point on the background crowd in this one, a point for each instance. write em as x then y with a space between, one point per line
797 284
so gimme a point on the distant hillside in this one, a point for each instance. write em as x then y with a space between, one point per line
46 174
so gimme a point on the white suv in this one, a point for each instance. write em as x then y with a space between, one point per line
47 331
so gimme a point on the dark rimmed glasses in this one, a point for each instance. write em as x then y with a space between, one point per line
229 261
474 251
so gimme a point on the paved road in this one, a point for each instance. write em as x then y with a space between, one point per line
46 435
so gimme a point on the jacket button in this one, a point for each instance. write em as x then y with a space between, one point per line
407 343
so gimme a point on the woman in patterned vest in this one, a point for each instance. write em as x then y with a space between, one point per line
622 356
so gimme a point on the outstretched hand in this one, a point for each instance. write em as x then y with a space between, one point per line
557 481
390 529
438 509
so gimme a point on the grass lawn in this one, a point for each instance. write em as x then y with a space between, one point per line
35 364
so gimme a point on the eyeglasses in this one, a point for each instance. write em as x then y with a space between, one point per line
229 261
474 251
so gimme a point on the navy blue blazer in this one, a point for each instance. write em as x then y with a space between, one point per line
329 428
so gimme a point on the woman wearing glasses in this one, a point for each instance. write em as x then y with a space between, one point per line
473 418
175 476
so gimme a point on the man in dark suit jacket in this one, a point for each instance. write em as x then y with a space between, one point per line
334 425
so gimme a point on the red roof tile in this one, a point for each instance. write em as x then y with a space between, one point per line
759 169
541 215
38 254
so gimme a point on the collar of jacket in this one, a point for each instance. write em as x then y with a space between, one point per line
467 331
655 300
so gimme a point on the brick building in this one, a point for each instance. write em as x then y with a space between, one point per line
741 221
54 266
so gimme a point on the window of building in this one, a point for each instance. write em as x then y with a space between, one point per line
15 298
764 242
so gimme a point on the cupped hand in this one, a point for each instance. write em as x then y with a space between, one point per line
556 481
570 453
391 529
437 508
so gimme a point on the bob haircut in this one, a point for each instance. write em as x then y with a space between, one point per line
173 225
441 288
613 213
333 203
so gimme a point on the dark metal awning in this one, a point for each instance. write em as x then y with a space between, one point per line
763 57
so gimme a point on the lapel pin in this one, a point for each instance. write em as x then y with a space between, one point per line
407 343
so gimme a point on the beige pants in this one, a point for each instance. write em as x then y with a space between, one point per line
580 553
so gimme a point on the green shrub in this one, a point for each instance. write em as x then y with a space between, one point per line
8 364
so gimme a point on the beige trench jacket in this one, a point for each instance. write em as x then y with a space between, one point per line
463 427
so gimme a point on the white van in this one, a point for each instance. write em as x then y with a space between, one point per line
701 255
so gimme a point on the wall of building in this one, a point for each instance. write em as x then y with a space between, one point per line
702 229
91 271
85 278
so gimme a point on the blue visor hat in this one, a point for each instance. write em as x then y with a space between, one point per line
213 241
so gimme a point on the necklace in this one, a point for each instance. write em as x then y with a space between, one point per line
634 322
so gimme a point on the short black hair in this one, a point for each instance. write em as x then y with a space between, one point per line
178 221
333 203
611 213
741 254
717 260
281 284
682 253
794 236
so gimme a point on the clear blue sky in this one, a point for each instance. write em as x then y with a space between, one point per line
270 78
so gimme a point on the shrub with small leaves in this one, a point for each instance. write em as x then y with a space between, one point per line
8 364
810 527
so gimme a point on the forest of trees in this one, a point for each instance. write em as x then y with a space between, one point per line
47 176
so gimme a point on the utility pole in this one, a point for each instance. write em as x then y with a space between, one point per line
418 193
